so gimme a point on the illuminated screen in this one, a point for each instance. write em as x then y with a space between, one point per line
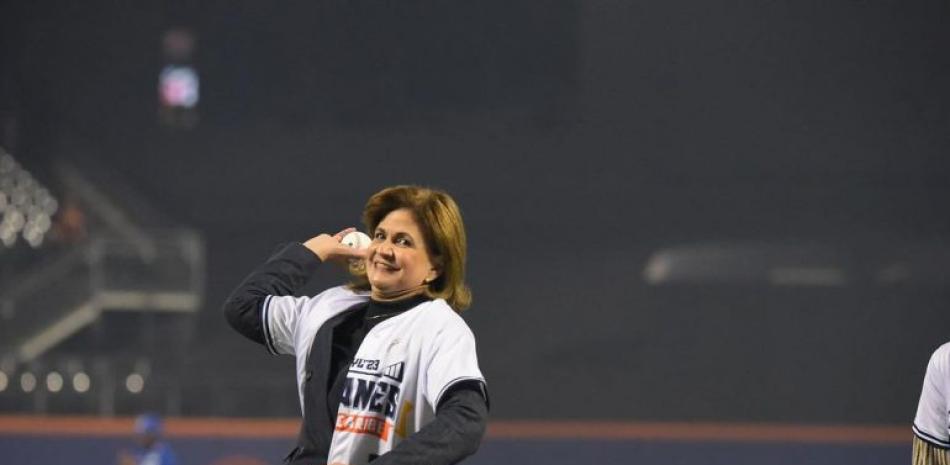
178 86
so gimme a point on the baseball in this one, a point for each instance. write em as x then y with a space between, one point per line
356 240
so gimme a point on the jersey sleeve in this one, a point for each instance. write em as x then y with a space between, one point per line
452 359
263 307
932 423
280 316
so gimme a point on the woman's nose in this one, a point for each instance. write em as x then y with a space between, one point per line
385 248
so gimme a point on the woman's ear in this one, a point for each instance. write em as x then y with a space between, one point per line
436 269
434 273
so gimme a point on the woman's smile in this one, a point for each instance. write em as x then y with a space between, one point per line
385 266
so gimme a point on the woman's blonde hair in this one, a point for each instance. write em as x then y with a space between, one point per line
440 220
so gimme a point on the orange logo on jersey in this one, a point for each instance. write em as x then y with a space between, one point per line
364 424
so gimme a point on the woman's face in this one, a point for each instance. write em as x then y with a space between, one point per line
398 259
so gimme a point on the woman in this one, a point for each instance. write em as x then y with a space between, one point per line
386 368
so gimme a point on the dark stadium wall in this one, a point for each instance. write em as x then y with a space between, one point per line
216 451
578 140
80 440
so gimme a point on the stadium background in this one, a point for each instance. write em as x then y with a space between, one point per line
680 213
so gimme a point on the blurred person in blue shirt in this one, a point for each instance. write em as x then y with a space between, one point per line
150 450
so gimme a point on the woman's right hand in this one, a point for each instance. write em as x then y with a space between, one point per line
329 248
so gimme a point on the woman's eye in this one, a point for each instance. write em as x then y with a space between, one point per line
403 241
378 235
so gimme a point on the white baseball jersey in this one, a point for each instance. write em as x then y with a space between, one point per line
397 376
932 423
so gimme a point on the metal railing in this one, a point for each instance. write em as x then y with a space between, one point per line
48 305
